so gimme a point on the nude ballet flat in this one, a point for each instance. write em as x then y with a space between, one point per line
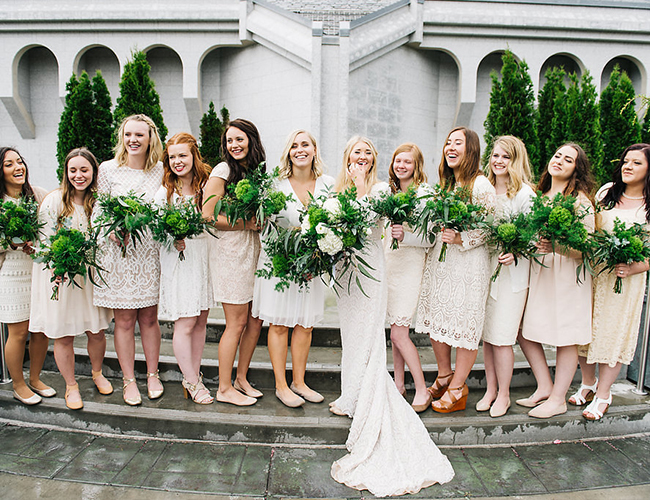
34 399
103 385
291 403
48 392
309 395
423 406
529 402
541 412
73 405
251 393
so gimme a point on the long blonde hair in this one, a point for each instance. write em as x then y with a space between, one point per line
286 167
155 150
519 172
419 175
343 180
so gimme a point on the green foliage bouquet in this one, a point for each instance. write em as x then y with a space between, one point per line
623 245
177 222
512 234
69 253
254 196
334 231
451 210
18 222
398 208
124 215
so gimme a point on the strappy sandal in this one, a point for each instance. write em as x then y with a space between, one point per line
439 387
594 408
198 392
458 396
578 399
130 401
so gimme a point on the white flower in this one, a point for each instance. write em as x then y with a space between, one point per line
304 227
332 205
330 243
368 231
322 228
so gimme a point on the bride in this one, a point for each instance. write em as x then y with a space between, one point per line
390 450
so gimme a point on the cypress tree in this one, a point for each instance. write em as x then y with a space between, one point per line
65 137
138 94
552 91
512 107
211 129
618 121
645 130
103 120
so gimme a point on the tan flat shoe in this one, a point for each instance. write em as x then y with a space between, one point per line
103 385
73 405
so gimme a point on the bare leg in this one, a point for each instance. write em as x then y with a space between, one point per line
300 344
565 369
278 342
465 359
150 335
398 360
490 378
38 343
247 346
64 357
15 357
409 354
198 340
236 320
124 339
96 349
534 353
182 344
608 375
504 362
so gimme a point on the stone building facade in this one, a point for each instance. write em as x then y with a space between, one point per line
396 71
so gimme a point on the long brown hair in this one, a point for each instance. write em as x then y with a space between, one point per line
580 182
27 191
614 193
200 169
419 175
68 190
256 153
469 167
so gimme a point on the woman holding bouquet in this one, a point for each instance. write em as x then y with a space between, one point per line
616 315
301 176
510 175
133 280
73 313
451 308
233 261
390 451
15 288
404 268
184 176
558 311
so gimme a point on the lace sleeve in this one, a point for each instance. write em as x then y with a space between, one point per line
48 214
482 194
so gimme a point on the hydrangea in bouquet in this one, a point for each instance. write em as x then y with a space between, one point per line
623 245
398 208
124 215
19 222
178 221
512 234
334 231
451 210
69 253
254 196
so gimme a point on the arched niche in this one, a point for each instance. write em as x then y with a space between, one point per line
210 73
568 62
627 64
37 78
105 60
491 62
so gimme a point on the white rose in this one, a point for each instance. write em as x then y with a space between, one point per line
321 228
330 243
332 205
304 227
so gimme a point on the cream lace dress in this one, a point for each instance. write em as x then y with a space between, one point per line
292 306
390 450
16 277
452 301
232 258
507 297
133 281
616 316
185 288
74 312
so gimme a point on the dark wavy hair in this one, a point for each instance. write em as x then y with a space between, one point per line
27 191
614 193
256 153
469 167
200 169
581 181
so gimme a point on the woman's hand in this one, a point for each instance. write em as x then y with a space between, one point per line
397 232
506 259
544 246
252 225
358 175
28 248
451 237
113 237
179 245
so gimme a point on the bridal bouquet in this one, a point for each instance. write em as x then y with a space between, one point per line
124 215
18 222
254 196
623 245
176 222
512 234
451 210
398 208
69 253
333 232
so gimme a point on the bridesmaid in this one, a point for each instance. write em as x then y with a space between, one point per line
233 261
509 173
184 176
558 311
74 313
453 294
301 176
133 281
616 316
15 289
404 268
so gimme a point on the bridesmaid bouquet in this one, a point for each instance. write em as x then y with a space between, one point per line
451 210
124 215
398 208
69 253
624 245
252 197
512 234
179 221
333 231
18 222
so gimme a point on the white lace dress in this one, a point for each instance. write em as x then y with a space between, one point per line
292 306
233 257
451 308
132 281
185 288
74 312
390 450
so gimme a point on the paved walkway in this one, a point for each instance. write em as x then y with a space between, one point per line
96 461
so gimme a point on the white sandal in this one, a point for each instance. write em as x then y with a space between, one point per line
579 399
594 408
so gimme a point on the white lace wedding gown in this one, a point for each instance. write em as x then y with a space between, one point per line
390 450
